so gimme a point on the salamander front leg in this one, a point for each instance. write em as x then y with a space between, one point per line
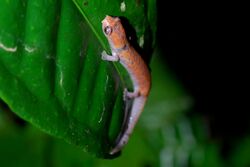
107 57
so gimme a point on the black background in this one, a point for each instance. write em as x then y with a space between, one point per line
198 44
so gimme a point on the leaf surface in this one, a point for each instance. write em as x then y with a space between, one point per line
51 72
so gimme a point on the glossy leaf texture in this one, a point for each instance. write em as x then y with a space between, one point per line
51 72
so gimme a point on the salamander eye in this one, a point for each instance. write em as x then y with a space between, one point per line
108 30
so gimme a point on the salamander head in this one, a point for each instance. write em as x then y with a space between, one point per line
114 31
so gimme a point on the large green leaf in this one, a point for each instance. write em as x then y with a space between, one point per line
51 73
173 139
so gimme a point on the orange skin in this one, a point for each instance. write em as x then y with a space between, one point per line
130 59
123 52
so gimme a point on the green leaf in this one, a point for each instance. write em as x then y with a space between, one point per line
173 139
140 14
51 73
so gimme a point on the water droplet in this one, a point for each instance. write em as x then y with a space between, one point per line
123 6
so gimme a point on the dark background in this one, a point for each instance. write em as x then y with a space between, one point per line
198 41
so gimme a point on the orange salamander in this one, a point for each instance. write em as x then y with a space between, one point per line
138 71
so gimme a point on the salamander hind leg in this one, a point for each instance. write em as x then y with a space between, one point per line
130 95
107 57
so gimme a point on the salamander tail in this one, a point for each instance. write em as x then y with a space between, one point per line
130 122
